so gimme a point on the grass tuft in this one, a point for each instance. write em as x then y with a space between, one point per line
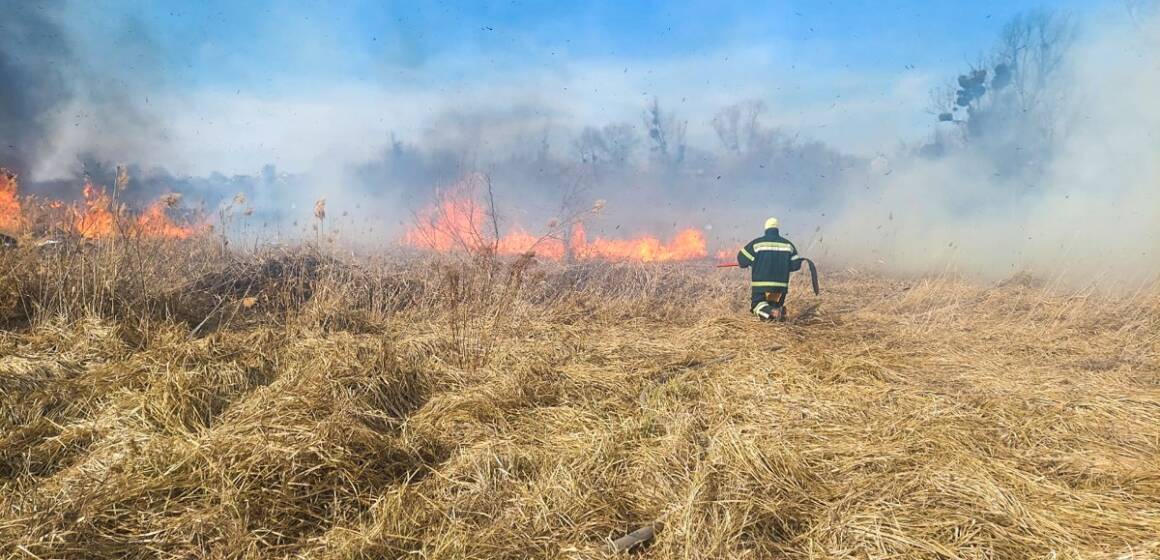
181 399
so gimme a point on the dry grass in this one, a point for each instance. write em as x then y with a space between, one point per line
163 401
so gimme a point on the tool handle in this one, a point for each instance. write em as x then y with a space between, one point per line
726 265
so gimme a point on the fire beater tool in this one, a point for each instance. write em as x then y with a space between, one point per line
813 272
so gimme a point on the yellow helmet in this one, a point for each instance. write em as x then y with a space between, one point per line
771 223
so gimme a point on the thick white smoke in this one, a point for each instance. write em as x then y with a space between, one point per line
376 149
1093 216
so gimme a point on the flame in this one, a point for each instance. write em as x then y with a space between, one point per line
453 222
96 219
688 244
10 213
456 222
518 241
155 220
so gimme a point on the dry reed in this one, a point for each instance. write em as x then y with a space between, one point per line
191 401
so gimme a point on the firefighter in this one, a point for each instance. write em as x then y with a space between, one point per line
772 258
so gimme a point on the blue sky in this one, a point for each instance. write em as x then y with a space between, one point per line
260 42
856 74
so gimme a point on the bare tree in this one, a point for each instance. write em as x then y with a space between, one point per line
620 142
591 145
667 135
1031 52
613 144
1009 105
727 123
752 132
1019 76
738 127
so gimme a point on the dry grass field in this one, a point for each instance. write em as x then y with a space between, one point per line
164 399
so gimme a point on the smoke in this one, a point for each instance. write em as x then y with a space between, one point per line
1062 183
1089 212
73 92
89 87
34 64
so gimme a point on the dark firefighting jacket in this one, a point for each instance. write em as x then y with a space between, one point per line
770 259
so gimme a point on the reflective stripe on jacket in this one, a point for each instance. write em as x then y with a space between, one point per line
770 259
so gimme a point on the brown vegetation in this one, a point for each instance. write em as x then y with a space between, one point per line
175 399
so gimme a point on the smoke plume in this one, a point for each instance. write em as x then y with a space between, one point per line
1044 158
73 94
1089 211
